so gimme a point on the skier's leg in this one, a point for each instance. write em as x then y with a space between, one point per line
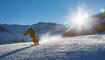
34 40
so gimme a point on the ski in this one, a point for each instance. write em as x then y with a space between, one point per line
34 44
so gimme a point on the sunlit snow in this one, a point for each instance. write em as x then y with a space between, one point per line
57 48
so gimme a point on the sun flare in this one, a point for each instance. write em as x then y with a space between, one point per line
80 17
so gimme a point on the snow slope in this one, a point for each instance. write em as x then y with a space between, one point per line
90 47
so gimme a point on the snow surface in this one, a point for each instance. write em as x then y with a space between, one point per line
90 47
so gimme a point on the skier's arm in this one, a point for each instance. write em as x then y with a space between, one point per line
26 32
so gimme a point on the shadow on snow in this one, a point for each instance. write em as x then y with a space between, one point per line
7 54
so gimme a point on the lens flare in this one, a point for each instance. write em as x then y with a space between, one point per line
58 27
80 17
102 10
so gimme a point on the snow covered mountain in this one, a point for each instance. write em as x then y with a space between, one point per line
15 33
90 47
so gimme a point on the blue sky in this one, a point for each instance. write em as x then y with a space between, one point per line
32 11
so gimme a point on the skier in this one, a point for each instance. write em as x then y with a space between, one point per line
32 33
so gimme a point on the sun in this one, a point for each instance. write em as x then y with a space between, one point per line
80 17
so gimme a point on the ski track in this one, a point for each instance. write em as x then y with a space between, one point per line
90 47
